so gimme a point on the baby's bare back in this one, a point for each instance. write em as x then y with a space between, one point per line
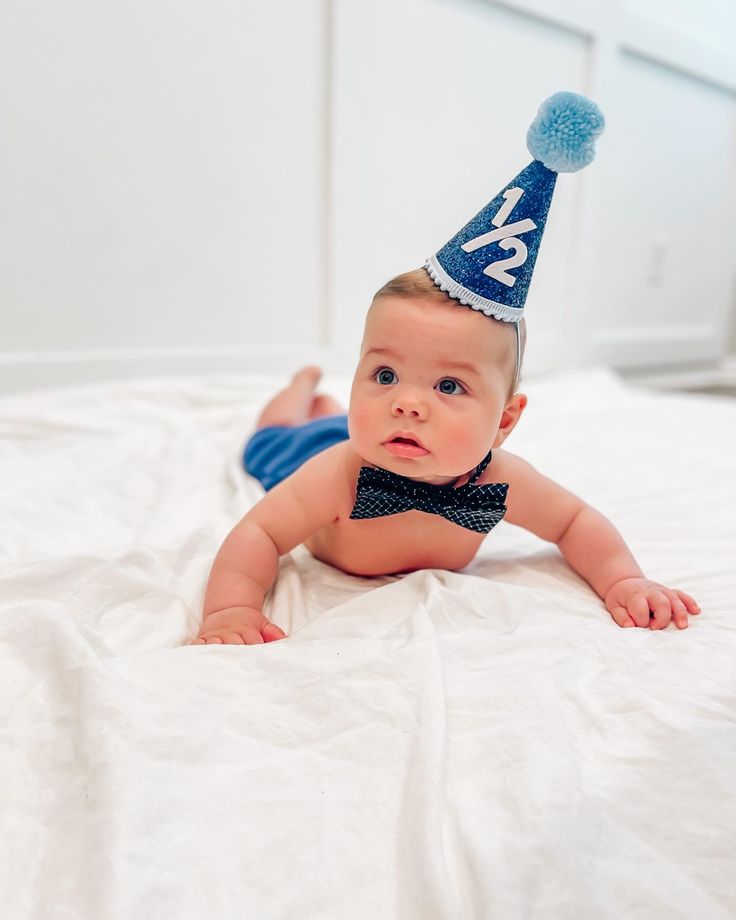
392 544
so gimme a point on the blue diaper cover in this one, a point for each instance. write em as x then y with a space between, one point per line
273 453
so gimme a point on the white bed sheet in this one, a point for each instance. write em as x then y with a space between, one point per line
484 744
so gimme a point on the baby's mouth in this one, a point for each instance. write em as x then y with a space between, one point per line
402 446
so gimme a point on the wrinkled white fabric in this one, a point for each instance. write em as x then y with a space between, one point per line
483 744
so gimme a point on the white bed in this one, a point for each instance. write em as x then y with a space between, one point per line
484 744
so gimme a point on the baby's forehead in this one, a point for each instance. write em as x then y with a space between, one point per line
439 333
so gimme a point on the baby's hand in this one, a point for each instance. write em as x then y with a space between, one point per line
630 600
237 626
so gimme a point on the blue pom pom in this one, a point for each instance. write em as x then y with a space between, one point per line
563 134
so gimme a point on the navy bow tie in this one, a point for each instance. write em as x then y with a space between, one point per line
381 492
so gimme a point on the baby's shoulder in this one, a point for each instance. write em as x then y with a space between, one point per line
504 467
339 465
311 498
533 501
334 463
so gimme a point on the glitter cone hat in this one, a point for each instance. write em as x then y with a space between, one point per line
488 264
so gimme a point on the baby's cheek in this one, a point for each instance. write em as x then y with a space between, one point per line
360 424
466 444
465 436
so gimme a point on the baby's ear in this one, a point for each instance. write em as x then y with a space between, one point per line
510 417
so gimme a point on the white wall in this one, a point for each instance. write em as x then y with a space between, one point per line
190 187
426 140
162 185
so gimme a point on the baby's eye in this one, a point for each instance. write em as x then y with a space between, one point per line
384 375
448 391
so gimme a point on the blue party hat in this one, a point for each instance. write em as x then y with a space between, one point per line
488 265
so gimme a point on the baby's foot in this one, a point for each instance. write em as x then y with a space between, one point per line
323 405
291 405
310 375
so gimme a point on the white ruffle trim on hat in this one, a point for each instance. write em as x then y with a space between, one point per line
467 297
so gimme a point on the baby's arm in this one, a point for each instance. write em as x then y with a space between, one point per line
592 546
247 563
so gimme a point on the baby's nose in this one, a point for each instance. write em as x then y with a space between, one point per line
408 407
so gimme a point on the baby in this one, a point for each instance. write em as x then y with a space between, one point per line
414 476
418 411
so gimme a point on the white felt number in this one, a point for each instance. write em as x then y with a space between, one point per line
497 270
512 196
493 236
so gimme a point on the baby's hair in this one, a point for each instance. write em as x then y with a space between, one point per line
417 283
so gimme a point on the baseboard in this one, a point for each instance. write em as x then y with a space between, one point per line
722 374
43 370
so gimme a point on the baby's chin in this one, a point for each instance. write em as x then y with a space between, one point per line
429 468
422 469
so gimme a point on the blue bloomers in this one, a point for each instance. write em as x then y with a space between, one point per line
273 453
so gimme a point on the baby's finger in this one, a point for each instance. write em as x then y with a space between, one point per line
271 632
689 602
251 636
679 613
212 640
638 607
621 616
659 604
232 638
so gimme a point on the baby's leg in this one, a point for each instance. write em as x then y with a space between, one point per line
292 405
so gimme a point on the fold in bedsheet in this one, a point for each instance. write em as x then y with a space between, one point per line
483 744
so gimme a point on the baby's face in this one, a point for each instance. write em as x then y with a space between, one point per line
411 379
